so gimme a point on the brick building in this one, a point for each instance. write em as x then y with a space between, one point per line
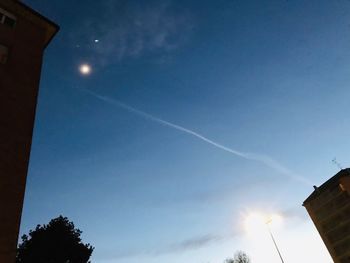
24 35
329 209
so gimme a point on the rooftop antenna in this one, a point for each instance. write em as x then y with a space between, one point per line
335 162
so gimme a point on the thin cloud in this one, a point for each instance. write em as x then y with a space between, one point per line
261 158
130 30
297 213
194 243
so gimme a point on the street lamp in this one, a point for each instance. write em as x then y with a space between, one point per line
273 239
255 223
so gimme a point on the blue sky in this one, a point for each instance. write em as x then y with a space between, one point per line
265 78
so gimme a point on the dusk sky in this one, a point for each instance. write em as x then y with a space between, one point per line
194 115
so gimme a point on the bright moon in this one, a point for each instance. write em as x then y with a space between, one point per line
85 69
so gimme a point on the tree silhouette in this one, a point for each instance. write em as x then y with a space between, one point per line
57 242
240 257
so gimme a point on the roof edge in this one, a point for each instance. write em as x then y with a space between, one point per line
342 173
36 13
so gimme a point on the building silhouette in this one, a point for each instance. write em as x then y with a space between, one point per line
329 209
24 35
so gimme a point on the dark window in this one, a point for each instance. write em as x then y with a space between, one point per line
9 21
3 54
6 18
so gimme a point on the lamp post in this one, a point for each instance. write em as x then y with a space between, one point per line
273 239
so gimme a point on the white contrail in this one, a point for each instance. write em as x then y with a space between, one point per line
264 159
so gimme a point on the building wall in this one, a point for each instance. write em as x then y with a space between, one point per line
330 212
19 82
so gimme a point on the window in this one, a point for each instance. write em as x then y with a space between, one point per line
7 18
342 187
9 21
3 54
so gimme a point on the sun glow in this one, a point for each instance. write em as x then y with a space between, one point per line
256 223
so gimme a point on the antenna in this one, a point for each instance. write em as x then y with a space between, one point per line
335 162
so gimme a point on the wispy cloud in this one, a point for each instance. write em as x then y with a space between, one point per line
127 30
297 213
193 243
261 158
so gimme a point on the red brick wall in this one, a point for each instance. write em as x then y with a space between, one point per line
19 82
